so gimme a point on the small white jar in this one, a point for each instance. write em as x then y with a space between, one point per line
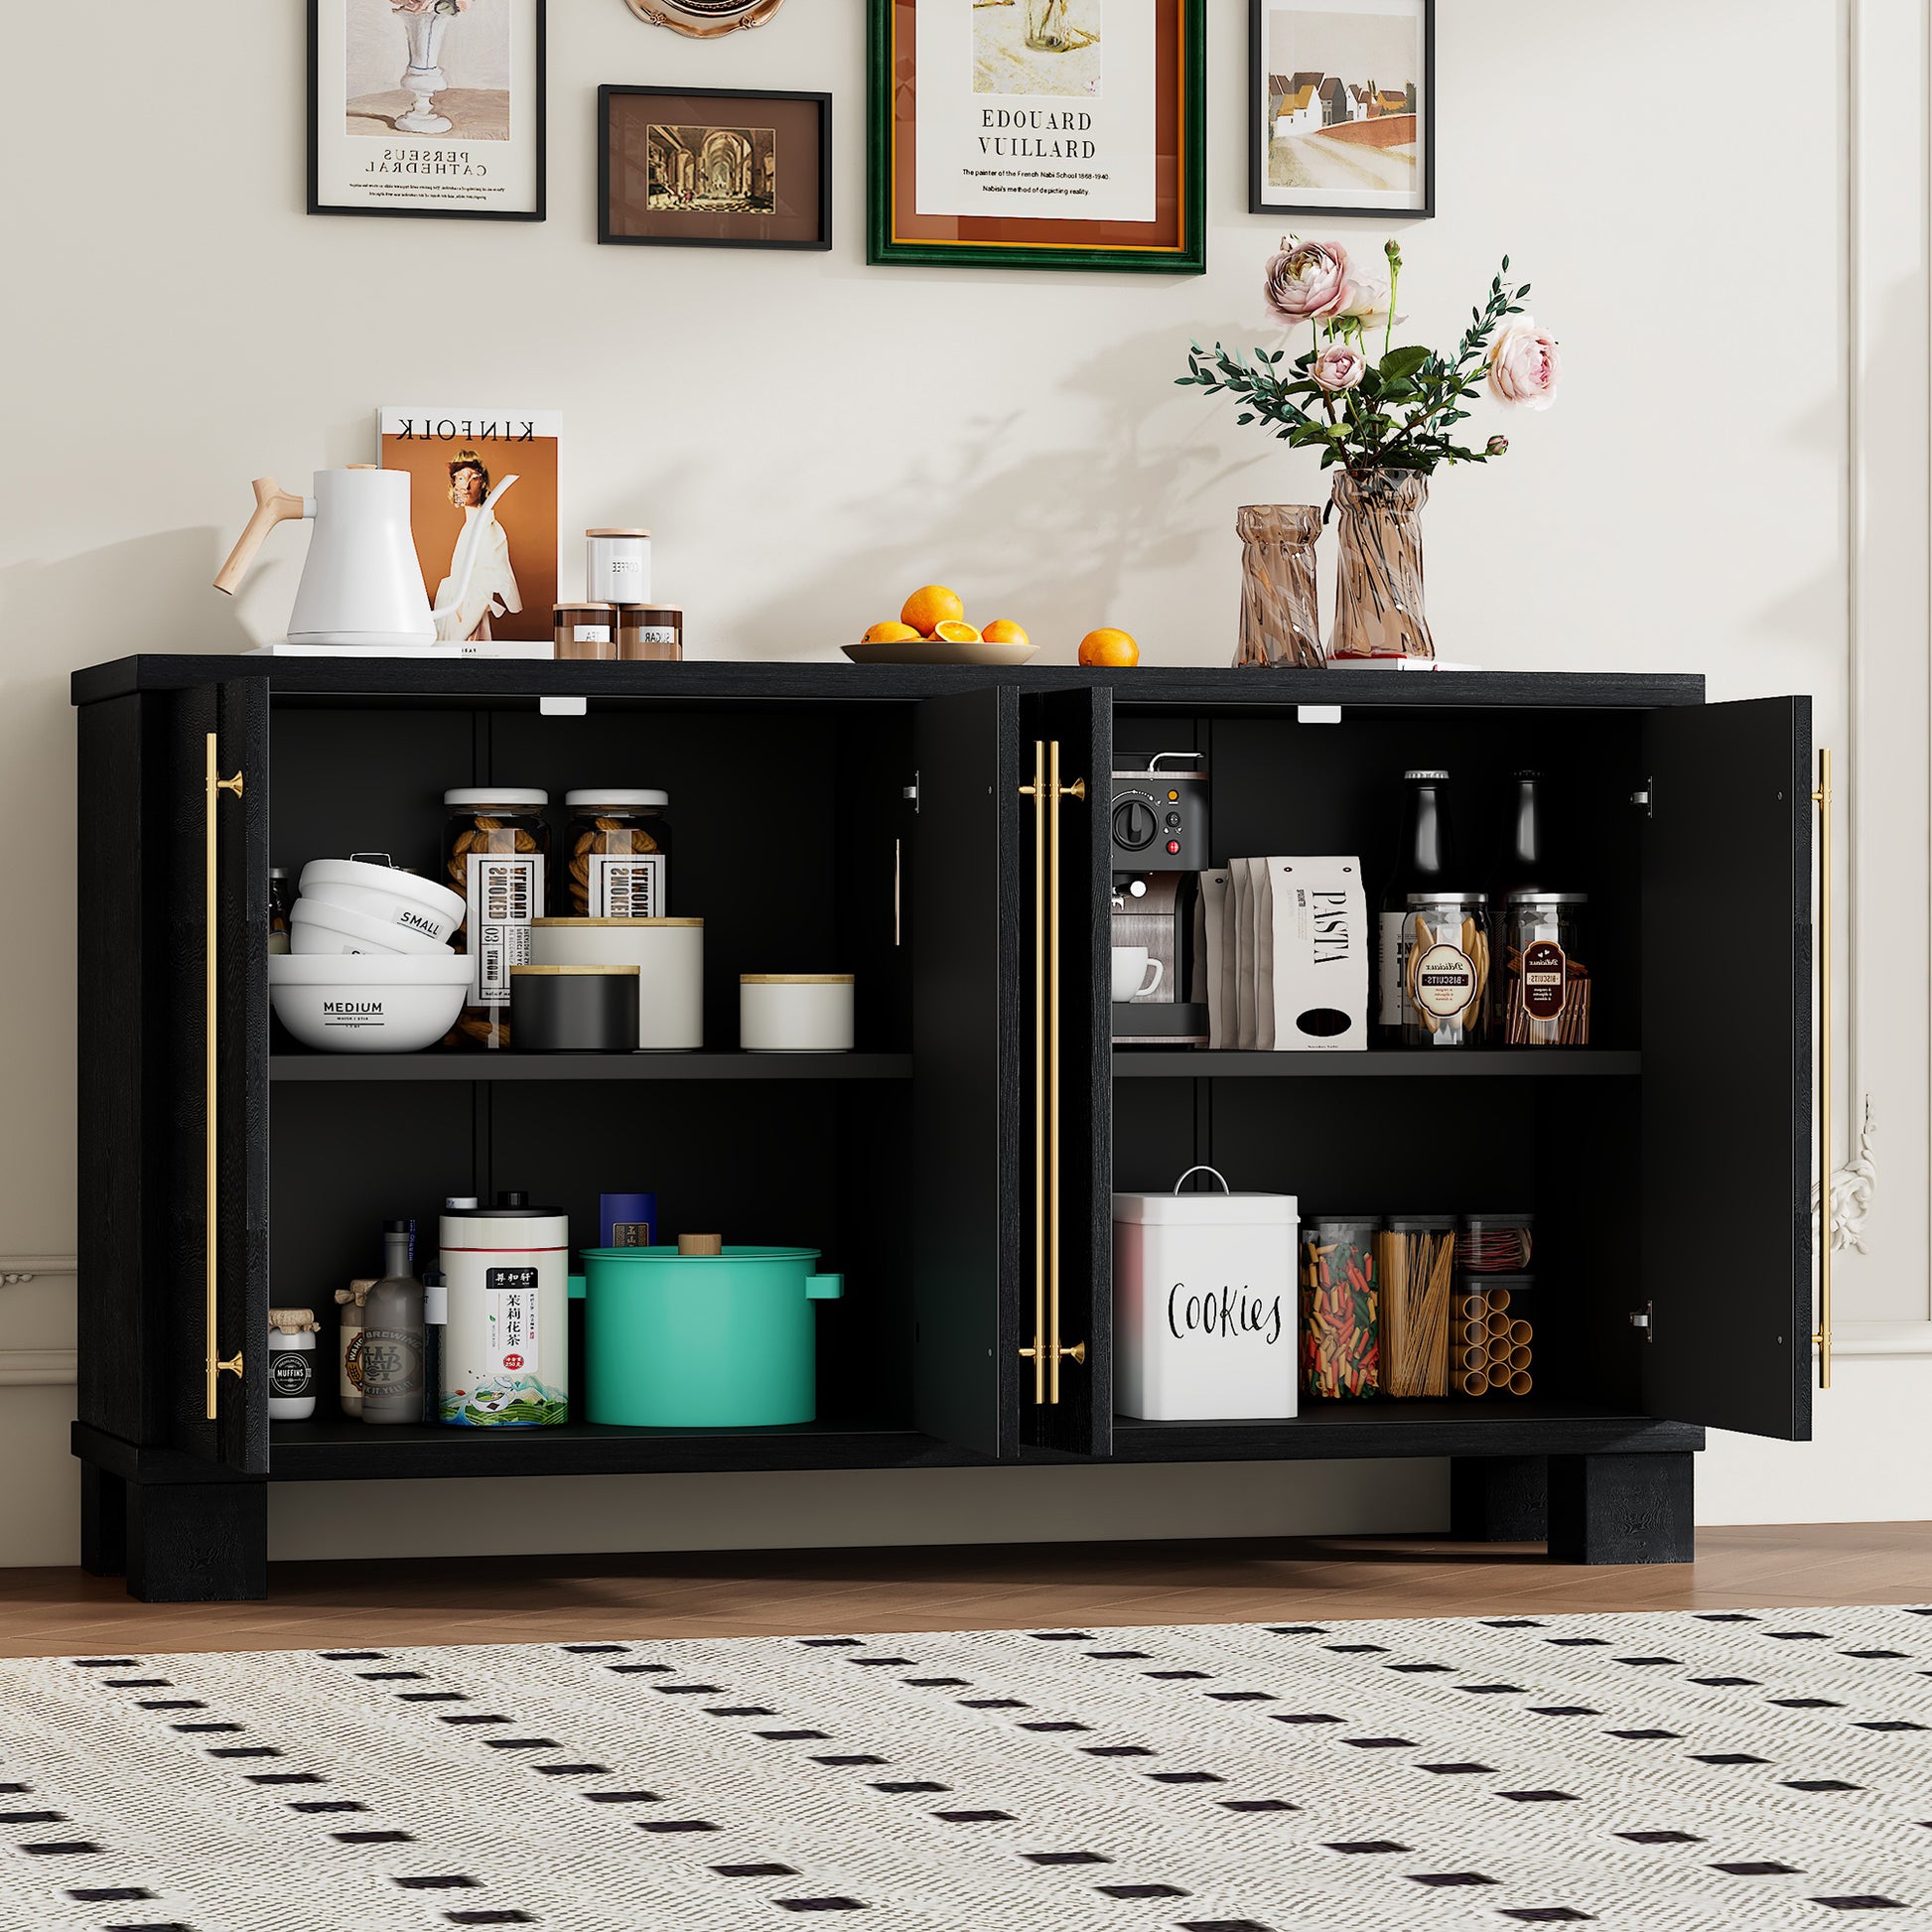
795 1013
616 565
292 1372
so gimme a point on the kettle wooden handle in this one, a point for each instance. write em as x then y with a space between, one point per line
273 505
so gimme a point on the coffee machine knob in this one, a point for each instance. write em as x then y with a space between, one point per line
1134 824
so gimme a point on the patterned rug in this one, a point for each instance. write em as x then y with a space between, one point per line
1658 1773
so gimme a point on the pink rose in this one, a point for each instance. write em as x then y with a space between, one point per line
1340 367
1307 282
1524 366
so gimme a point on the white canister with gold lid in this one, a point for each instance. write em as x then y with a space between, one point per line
795 1013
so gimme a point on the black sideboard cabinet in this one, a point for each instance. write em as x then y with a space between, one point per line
872 822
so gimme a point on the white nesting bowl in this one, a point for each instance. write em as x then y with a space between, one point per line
368 1003
418 905
316 926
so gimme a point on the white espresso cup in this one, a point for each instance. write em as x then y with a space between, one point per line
1136 974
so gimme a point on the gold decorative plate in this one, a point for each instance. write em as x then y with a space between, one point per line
705 20
933 650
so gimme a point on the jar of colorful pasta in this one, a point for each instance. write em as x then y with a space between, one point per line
1341 1317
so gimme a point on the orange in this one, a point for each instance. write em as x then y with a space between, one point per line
953 632
1002 631
1109 646
927 610
889 633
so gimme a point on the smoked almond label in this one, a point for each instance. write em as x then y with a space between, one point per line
1545 980
1446 981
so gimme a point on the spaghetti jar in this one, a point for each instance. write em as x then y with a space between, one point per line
1443 969
496 853
619 853
1546 988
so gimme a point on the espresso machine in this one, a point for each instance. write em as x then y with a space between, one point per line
1161 844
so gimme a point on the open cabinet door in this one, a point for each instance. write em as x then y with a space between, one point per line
1727 1066
214 1193
1074 1412
969 1024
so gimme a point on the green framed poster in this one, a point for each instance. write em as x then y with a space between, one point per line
1037 134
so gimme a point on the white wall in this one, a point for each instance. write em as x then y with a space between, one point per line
809 437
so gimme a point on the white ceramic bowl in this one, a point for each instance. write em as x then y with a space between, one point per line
368 1003
418 905
316 926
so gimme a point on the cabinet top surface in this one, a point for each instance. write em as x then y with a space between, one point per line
484 680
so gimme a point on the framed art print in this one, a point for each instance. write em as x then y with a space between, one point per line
427 107
1343 100
714 168
1037 134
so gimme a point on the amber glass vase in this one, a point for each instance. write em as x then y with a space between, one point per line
1279 624
1378 593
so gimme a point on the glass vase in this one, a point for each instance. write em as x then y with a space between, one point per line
1278 623
1378 593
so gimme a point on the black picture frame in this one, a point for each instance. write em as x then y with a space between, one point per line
542 90
1259 133
609 94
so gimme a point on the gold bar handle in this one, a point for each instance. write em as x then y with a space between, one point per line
1821 1334
1056 1352
216 786
1037 792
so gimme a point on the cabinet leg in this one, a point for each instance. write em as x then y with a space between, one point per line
1623 1508
1499 1498
103 1522
197 1541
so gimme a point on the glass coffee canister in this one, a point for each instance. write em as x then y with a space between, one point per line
1443 969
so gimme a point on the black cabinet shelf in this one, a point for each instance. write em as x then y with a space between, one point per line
1201 1063
589 1066
334 1451
1531 1427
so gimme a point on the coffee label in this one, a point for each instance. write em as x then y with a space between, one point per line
1446 981
1545 980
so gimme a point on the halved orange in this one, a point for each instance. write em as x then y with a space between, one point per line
956 631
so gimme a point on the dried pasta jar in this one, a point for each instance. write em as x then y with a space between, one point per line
1418 1257
1545 993
496 853
1492 1334
1495 1244
1340 1314
1443 968
619 853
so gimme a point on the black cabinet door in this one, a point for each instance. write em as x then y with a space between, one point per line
1078 1156
214 1193
968 1041
1727 1066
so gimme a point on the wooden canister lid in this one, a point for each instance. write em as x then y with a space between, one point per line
701 1244
795 979
578 972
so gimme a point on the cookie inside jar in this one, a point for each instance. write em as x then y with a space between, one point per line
496 854
619 853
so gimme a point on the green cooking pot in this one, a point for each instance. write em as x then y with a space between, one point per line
702 1342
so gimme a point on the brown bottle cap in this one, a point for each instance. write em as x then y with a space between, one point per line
700 1244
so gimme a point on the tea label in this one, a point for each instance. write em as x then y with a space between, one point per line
626 886
1446 981
1545 980
504 894
511 1316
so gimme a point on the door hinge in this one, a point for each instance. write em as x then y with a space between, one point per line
911 794
1643 1318
1642 800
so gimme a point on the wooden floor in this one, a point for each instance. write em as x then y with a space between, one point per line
53 1612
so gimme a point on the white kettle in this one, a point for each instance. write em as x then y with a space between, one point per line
362 582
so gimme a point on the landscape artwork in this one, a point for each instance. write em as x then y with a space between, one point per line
1038 47
713 170
1342 109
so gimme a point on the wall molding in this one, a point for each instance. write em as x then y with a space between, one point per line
1869 1339
16 1268
44 1368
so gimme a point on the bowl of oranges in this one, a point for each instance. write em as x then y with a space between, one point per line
932 629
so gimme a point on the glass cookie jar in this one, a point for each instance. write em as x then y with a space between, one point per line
496 850
1443 968
1544 993
619 856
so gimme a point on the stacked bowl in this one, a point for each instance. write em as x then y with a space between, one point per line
370 968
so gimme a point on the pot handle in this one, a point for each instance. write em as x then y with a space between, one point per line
824 1287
